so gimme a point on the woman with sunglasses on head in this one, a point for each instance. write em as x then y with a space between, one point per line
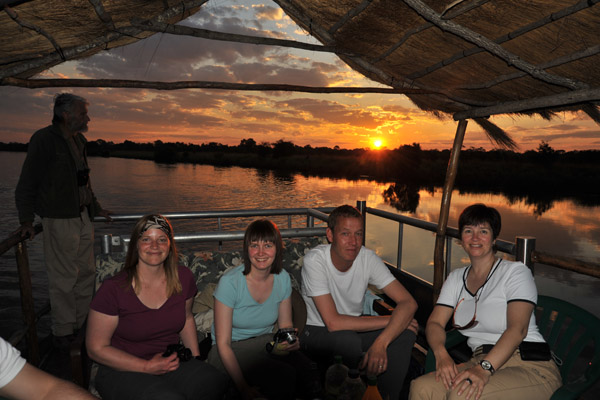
138 313
491 302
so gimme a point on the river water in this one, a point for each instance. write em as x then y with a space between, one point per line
136 186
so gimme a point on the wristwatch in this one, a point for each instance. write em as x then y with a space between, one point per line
486 365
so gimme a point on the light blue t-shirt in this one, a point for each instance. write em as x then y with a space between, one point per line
250 318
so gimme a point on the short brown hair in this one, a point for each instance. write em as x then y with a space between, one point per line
345 211
266 231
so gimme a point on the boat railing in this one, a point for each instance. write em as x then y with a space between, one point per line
522 249
110 242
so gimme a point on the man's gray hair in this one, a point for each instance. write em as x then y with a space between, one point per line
64 102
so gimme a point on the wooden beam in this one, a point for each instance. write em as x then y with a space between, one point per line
589 52
493 48
446 14
13 3
349 15
365 67
133 84
105 17
556 100
15 17
439 266
568 263
96 44
507 37
230 37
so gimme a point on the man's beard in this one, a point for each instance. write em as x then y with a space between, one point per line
78 128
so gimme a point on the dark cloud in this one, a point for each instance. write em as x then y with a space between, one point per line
333 112
572 134
397 109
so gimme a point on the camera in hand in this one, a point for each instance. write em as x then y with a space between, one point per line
285 335
282 335
183 353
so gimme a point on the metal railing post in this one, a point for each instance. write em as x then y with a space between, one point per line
362 207
106 244
27 302
220 246
310 221
525 245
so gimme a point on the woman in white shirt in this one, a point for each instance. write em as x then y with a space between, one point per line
491 302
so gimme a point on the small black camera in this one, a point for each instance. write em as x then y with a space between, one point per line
285 335
183 353
83 176
282 335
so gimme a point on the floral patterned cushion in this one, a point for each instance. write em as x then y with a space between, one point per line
208 266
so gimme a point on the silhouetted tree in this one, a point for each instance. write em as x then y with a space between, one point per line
248 144
282 148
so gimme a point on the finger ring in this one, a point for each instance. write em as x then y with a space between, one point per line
380 366
469 380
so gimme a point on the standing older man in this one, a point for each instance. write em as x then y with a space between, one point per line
334 281
55 185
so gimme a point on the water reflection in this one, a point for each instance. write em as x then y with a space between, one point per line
127 186
402 197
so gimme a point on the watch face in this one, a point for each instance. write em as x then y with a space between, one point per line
486 364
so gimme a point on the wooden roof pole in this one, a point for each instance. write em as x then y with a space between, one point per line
440 236
493 48
154 26
547 19
448 14
555 100
176 85
51 59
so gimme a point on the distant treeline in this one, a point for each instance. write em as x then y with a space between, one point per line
540 176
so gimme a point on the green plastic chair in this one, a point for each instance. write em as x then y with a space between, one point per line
574 337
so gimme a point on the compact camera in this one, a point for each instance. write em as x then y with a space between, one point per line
83 176
285 335
183 353
281 336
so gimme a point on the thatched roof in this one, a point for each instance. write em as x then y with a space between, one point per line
469 58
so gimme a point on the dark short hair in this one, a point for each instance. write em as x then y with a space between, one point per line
344 211
263 230
479 213
65 102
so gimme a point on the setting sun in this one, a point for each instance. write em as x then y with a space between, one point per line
377 143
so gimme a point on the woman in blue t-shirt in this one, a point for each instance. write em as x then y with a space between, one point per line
249 300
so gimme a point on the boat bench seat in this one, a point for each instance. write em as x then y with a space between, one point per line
207 267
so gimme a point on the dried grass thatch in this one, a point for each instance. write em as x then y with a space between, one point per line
468 58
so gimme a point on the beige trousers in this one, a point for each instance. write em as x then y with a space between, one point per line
516 379
69 255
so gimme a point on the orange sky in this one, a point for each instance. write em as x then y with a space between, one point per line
201 116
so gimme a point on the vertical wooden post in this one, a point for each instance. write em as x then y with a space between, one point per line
27 302
440 236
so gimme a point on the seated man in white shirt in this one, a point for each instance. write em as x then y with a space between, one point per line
22 381
334 281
